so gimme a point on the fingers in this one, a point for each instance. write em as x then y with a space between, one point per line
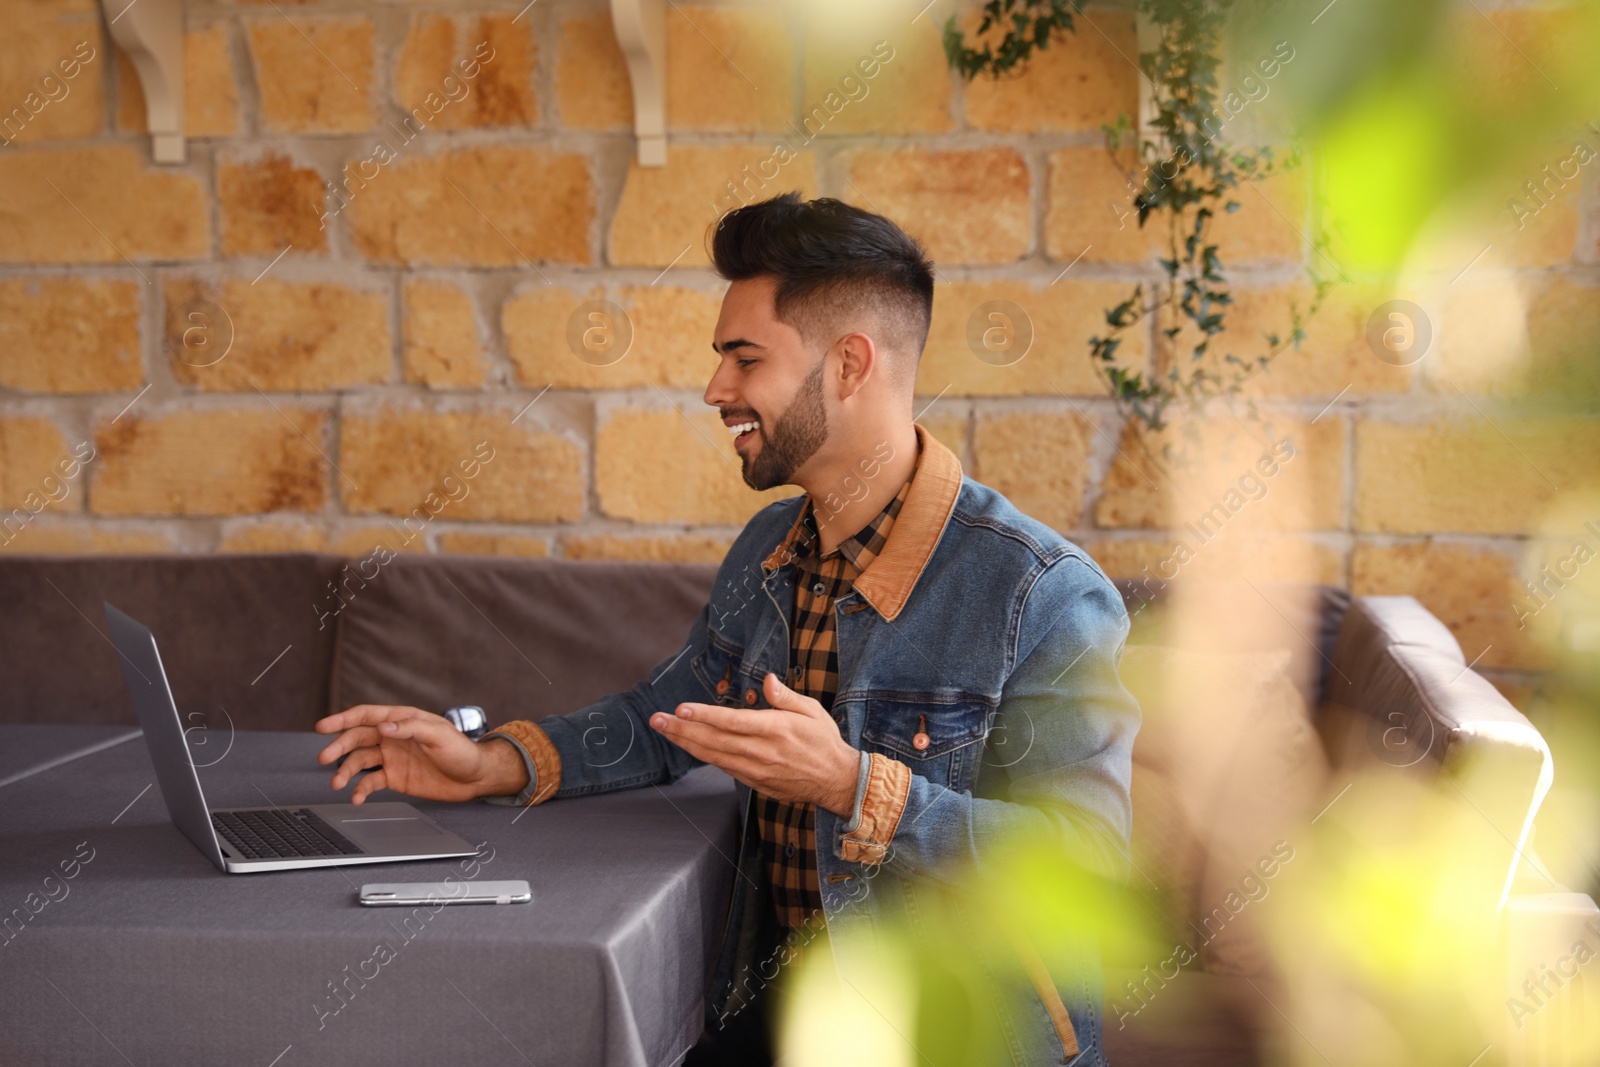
427 729
352 739
705 737
783 698
739 766
366 715
733 720
354 764
368 785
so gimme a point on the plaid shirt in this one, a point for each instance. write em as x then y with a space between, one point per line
788 829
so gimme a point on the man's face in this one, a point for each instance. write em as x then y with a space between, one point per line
767 377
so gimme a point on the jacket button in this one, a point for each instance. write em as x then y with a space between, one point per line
788 852
750 697
920 741
722 686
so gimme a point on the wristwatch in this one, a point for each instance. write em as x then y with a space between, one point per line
469 719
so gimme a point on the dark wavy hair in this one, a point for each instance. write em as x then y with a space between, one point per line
833 263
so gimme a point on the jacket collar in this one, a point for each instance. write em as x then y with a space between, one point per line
887 581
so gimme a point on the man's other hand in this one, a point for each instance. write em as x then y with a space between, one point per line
417 753
792 750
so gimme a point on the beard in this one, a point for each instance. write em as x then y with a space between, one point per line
800 431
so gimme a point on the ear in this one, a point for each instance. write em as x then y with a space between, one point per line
859 360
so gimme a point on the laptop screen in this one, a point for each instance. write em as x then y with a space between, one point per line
163 731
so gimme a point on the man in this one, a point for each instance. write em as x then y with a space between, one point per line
886 619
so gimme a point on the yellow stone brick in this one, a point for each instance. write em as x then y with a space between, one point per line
1081 80
442 346
591 82
273 535
128 208
314 74
1089 211
286 335
1062 317
1563 339
1333 358
414 463
1038 460
683 548
1469 475
1474 591
1232 478
467 73
949 427
30 449
732 70
1270 558
69 335
874 74
665 211
363 539
70 537
1269 224
492 544
671 329
269 204
212 461
1539 228
657 465
1514 58
969 206
210 88
437 209
51 77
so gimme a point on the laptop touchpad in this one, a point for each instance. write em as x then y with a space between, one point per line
389 830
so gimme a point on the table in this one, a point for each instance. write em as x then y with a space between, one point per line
149 954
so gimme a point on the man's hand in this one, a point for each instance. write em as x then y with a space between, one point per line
791 751
417 753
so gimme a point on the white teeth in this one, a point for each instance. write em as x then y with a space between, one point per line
741 427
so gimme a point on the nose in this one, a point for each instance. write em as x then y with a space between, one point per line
719 391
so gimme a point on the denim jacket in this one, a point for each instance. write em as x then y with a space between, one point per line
973 617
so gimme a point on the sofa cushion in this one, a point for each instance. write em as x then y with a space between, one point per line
1226 766
521 638
239 636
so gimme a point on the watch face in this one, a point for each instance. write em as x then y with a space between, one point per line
469 719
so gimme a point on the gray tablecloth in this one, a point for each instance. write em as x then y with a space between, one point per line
148 954
28 749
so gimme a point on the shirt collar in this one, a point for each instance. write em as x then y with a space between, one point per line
926 502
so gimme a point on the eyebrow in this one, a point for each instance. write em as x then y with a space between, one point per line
737 342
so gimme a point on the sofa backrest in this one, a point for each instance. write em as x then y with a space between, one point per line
521 638
239 637
1401 694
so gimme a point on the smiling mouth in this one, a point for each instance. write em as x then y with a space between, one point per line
747 433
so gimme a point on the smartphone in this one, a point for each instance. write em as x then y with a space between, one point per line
410 894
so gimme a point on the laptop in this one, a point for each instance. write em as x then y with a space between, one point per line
247 840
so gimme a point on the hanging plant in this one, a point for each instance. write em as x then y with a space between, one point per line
1184 176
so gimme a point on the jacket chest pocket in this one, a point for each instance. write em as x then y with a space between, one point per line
941 741
719 669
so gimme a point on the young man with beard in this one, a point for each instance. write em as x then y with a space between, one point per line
861 641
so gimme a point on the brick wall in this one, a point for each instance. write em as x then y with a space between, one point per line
318 324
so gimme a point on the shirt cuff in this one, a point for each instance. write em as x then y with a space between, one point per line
881 803
861 793
539 758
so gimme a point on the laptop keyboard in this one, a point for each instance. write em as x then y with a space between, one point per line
272 833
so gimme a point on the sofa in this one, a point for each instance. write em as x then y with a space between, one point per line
1247 733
